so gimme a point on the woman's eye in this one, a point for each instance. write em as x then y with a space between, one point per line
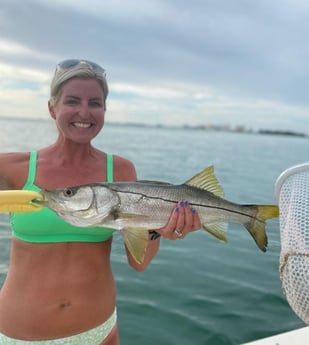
95 104
71 102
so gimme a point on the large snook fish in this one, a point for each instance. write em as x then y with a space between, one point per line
136 207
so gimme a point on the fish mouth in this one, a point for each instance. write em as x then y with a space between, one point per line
43 199
47 202
40 201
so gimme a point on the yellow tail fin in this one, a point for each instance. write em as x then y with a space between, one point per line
267 211
256 227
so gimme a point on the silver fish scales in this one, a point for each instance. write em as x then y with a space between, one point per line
136 207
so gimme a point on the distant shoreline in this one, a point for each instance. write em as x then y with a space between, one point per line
218 128
208 127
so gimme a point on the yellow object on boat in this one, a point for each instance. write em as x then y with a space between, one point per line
20 201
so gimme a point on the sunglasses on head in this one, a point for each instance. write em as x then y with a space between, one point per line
67 64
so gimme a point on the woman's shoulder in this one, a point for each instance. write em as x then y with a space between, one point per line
13 159
14 156
124 169
13 168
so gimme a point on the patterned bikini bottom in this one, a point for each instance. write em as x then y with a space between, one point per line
94 336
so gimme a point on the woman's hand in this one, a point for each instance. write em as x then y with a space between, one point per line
183 220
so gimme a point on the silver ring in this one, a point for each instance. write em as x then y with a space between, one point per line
178 233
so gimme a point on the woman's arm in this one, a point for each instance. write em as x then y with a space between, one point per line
13 170
4 184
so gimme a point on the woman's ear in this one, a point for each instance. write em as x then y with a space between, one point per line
51 109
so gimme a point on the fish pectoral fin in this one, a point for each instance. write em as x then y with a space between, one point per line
217 230
206 180
136 240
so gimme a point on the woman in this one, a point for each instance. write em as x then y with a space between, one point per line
60 288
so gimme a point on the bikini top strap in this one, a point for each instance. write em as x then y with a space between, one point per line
109 168
31 169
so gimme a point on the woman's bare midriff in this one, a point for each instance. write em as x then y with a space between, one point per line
56 290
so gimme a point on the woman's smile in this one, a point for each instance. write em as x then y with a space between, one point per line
82 124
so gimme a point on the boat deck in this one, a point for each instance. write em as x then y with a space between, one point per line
297 337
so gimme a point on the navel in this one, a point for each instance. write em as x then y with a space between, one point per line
65 304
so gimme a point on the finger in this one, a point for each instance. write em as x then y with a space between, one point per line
196 221
188 218
168 230
180 223
185 221
179 234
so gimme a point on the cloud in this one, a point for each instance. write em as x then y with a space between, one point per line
224 61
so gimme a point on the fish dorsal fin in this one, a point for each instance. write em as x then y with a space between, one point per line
206 180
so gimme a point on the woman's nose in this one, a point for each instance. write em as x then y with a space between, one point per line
84 110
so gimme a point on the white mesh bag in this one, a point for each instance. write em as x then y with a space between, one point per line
292 192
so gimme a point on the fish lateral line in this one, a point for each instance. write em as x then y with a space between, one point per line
143 195
193 204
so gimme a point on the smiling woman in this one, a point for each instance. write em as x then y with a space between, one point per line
84 100
70 295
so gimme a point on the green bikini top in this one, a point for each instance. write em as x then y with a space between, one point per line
46 227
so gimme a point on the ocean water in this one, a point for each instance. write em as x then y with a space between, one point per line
196 291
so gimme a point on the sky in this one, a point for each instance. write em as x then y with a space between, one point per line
171 62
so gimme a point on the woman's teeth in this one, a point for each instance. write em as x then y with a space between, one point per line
82 125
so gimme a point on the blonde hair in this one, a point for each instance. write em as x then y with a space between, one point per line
81 71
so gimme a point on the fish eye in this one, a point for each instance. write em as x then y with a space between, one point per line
68 192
